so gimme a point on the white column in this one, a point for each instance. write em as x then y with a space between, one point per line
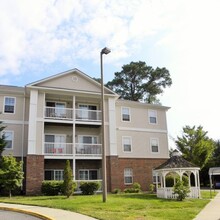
32 128
112 127
74 141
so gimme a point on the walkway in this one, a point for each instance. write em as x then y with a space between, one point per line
49 213
211 210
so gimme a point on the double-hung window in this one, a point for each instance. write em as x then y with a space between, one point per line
156 178
126 114
154 145
53 174
128 176
9 105
152 115
126 142
9 137
88 174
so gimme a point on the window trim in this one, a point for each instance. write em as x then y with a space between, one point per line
132 176
5 104
158 145
130 139
149 116
129 113
12 141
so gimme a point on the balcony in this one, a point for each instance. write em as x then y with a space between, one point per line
80 115
68 149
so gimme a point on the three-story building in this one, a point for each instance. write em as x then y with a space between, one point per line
59 118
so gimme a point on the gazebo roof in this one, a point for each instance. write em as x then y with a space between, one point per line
176 161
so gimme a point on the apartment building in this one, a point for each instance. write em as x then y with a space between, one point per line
59 118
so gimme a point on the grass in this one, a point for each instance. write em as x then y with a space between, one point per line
122 206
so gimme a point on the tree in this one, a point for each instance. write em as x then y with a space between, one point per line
2 139
139 82
68 184
11 174
181 190
195 145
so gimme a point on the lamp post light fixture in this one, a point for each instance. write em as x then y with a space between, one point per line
104 182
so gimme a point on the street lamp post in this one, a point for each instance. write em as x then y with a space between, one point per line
104 182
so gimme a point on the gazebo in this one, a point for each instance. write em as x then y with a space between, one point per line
177 166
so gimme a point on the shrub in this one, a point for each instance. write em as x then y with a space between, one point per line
52 188
116 191
89 188
152 188
181 190
136 187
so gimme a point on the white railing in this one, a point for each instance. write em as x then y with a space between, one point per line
82 149
58 113
88 115
51 148
67 114
168 193
81 181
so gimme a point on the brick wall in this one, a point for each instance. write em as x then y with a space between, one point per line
142 171
34 174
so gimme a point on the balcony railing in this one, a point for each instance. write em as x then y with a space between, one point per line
68 114
51 148
88 149
80 149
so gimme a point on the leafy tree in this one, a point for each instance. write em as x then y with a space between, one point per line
195 145
139 82
2 139
11 174
181 190
68 183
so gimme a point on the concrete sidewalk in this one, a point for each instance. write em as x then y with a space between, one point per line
211 210
49 213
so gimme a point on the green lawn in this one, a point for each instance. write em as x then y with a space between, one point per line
122 206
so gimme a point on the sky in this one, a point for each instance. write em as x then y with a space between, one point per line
42 38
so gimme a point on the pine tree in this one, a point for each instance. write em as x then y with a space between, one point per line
68 180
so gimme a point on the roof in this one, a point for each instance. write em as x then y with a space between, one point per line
214 171
176 162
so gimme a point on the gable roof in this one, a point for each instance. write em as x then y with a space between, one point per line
71 80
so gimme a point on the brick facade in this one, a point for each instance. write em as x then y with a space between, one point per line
34 174
142 171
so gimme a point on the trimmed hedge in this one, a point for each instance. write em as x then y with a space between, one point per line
89 188
52 188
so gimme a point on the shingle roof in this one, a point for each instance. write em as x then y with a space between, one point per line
175 162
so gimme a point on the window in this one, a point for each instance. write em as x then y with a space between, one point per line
9 106
128 176
126 142
88 174
9 136
53 174
125 114
152 116
156 178
154 145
